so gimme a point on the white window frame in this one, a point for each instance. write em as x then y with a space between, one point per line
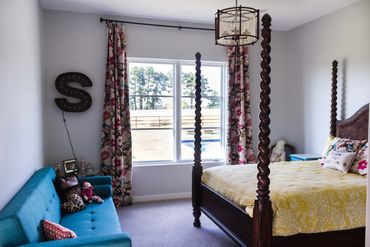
177 109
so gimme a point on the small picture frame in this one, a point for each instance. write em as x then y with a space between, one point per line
70 167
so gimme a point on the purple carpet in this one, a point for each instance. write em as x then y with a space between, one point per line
169 224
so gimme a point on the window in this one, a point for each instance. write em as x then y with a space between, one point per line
162 106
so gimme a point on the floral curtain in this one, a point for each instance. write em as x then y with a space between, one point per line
240 148
116 132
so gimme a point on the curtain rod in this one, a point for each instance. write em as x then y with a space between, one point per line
157 25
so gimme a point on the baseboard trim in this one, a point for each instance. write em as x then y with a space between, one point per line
162 197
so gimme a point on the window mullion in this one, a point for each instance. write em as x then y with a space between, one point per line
177 111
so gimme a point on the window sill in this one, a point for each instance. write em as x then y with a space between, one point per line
207 163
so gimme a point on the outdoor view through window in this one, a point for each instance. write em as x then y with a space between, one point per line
163 124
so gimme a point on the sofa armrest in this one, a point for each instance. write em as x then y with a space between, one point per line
120 239
97 180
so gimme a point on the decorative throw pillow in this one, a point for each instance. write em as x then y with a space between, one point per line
361 161
67 185
74 203
340 161
346 145
328 145
68 182
72 190
54 231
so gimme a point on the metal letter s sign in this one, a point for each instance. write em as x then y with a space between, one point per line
61 84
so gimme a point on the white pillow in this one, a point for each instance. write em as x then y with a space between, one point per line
341 161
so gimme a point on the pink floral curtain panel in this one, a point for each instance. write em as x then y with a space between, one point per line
116 132
240 148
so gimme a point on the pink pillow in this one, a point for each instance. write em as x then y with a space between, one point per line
54 231
361 161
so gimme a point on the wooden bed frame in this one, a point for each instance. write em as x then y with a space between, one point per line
257 231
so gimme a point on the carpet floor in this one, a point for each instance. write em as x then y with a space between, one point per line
170 224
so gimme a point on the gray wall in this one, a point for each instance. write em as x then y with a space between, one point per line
21 135
77 42
279 90
310 50
68 50
300 81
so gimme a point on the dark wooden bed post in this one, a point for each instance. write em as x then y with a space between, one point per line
197 167
262 213
334 87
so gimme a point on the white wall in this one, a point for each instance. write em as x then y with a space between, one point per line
68 50
310 50
280 91
77 42
300 84
21 135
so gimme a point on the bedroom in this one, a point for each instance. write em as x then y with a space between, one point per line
61 41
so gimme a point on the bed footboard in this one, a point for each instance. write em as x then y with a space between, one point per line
229 217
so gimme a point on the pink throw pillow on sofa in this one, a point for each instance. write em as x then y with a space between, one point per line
54 231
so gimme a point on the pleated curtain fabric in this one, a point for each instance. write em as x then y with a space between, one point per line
116 149
239 139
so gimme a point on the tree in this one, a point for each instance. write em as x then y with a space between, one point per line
188 90
146 85
137 87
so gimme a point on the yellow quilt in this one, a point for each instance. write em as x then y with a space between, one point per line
306 198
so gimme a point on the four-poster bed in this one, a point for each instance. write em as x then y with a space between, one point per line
257 231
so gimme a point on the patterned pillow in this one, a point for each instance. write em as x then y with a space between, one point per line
74 203
361 161
346 145
340 161
328 145
54 231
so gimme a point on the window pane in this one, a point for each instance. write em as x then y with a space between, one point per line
152 145
153 119
211 112
211 80
211 145
151 103
150 85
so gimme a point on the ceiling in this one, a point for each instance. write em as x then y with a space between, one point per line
286 14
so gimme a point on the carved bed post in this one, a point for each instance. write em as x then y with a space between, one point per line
262 212
334 87
197 167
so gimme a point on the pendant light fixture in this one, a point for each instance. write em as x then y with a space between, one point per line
237 26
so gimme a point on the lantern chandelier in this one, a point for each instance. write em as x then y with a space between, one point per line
237 26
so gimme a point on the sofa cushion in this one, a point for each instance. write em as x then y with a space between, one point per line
96 219
20 220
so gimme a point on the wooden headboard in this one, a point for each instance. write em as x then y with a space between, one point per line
355 127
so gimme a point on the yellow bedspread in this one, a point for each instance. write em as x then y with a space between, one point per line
306 198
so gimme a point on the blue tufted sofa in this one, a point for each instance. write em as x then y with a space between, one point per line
97 225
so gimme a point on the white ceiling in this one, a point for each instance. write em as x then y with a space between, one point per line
286 14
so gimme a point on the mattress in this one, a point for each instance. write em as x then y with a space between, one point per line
306 198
